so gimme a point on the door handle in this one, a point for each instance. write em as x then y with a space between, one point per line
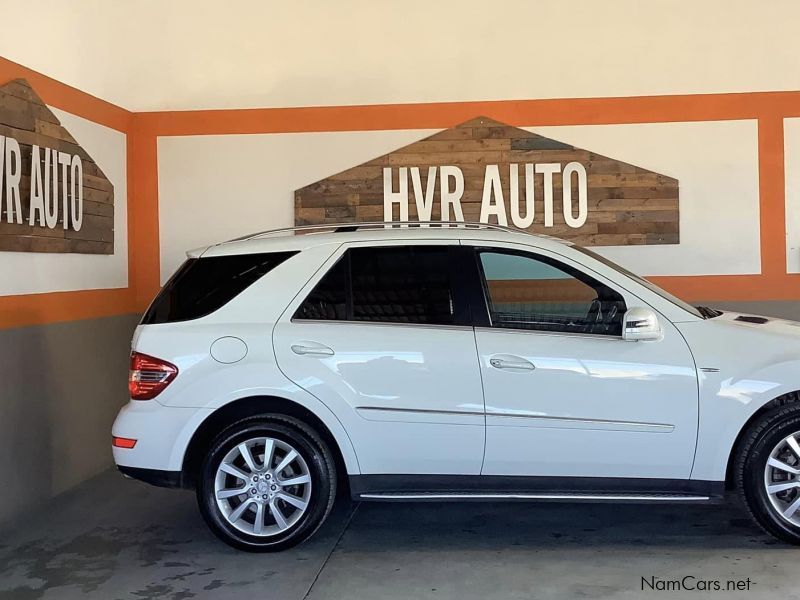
311 349
508 361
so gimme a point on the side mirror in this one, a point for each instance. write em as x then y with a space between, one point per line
640 323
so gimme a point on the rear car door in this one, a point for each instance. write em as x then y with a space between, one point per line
566 396
381 335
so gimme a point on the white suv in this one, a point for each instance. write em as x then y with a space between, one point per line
449 363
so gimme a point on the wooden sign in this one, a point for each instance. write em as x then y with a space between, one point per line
53 195
489 172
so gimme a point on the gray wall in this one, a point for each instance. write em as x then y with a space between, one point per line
61 386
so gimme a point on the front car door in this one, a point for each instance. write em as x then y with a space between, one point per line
565 395
381 335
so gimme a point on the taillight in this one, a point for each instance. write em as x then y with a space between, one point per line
149 376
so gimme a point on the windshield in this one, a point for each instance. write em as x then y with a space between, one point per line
650 286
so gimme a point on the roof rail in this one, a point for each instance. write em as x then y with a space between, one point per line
355 226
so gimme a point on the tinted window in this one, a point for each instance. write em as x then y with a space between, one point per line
328 299
202 285
401 284
526 292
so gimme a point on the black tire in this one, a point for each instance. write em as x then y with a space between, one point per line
750 462
321 468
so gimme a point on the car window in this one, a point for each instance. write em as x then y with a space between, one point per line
648 284
524 291
396 284
328 300
202 285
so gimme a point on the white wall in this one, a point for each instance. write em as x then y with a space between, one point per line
791 141
38 272
213 188
152 54
716 165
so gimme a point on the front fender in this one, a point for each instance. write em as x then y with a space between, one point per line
727 403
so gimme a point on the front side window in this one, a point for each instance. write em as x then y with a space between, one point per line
534 292
396 284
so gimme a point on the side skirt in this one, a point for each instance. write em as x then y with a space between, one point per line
438 488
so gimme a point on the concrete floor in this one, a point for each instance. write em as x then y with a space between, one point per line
117 539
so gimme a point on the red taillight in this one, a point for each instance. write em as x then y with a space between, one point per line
120 442
149 376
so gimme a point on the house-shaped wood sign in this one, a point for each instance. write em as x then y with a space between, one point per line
486 171
53 196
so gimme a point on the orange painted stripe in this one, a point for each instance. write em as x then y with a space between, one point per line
55 307
144 259
772 206
731 287
68 98
569 111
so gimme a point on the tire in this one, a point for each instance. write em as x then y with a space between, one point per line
752 475
312 465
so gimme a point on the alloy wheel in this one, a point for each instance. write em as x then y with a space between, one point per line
782 479
263 486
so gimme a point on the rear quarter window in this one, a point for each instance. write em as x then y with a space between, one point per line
202 285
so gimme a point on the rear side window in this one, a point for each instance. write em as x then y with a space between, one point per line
202 285
397 284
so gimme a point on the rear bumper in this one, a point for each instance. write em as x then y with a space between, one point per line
168 479
162 434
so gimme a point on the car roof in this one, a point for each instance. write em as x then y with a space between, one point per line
305 237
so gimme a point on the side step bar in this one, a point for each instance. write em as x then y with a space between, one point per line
499 496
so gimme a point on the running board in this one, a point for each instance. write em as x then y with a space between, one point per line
499 496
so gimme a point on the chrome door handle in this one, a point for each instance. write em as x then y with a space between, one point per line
311 349
511 362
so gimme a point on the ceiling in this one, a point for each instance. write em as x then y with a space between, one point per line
187 54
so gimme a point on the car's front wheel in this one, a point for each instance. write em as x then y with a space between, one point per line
767 472
267 483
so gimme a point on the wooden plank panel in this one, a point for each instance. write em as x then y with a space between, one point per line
27 119
627 204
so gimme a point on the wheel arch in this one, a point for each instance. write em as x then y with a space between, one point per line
248 407
782 400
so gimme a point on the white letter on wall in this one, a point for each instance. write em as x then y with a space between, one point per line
37 197
491 186
2 169
77 192
516 217
583 207
390 197
50 183
451 197
13 175
64 160
548 169
424 203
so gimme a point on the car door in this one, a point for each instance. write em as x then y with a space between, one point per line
382 337
565 395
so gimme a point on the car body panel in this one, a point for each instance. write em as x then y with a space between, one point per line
393 387
743 366
737 368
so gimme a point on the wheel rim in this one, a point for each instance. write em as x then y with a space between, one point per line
782 479
263 486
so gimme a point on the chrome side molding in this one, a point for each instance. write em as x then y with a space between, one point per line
535 496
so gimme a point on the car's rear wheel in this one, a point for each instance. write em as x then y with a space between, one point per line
767 472
267 483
